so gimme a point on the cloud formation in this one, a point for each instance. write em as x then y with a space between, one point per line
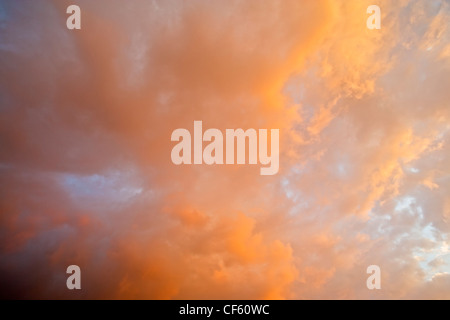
86 177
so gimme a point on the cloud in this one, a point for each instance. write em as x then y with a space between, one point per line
85 124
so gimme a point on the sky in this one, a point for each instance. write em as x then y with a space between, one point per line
86 176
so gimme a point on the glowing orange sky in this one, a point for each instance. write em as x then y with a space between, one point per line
86 176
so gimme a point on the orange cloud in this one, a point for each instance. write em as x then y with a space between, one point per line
85 125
